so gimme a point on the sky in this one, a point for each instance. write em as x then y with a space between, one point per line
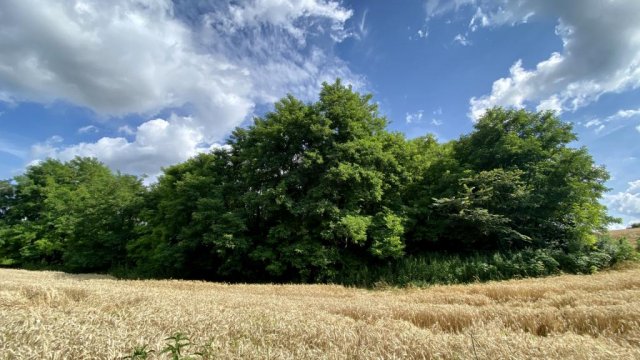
144 84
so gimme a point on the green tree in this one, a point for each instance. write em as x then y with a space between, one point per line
75 215
323 184
195 224
558 203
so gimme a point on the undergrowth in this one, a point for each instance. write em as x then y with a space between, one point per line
440 268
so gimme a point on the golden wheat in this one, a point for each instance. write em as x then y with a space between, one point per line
54 315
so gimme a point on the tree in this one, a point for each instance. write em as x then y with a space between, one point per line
295 195
561 184
75 215
195 223
323 184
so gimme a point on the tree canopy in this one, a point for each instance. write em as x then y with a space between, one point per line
309 190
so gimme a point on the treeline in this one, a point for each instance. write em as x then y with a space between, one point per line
324 192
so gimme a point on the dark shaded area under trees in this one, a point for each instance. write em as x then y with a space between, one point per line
322 192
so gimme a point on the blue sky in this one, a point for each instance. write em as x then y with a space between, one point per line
142 84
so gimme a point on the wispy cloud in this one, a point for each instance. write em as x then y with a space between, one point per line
600 124
462 40
414 117
8 147
363 31
88 129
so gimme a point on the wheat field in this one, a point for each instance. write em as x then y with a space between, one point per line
630 234
53 315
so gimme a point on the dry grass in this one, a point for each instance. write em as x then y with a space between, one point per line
58 316
631 234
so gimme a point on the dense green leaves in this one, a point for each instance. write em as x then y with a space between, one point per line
309 192
77 215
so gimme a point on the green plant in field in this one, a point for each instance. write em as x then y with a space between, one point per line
178 342
176 347
139 353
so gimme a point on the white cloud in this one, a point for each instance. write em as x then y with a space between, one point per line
591 123
88 129
157 143
601 52
422 34
126 129
638 128
553 103
414 117
462 40
438 7
285 13
216 61
627 202
624 114
363 31
436 122
619 115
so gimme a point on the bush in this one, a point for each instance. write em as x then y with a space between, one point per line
441 268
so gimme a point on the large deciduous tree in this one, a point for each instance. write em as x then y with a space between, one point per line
76 215
522 184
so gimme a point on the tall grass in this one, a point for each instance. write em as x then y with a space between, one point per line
439 268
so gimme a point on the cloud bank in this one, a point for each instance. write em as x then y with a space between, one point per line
600 53
212 61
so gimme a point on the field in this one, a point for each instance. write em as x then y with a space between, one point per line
631 234
54 315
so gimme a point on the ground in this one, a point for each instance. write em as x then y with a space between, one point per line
55 315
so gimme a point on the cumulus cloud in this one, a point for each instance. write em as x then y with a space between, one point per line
214 60
601 52
157 143
115 57
627 202
126 129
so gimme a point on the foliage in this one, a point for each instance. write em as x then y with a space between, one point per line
177 347
140 353
442 268
324 192
76 215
